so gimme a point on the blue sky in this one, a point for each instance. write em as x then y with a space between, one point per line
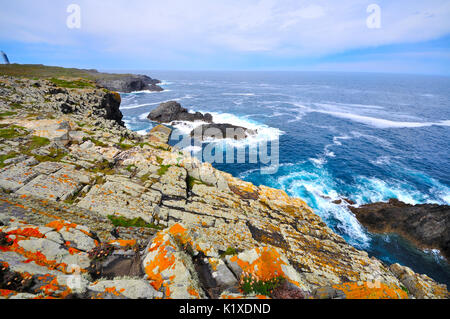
320 35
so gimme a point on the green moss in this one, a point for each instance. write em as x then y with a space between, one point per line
163 169
124 146
145 177
120 221
131 168
191 181
250 285
229 252
159 160
5 157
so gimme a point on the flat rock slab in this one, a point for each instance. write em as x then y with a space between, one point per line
122 198
16 177
57 186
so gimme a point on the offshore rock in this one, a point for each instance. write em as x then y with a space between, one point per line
426 225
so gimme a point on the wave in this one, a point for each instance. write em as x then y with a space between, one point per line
129 107
383 123
264 132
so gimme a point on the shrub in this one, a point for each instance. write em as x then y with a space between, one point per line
101 252
251 284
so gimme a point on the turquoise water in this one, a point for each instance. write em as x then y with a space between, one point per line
365 137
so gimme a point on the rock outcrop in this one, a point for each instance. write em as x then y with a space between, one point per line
426 225
172 111
89 209
129 83
221 131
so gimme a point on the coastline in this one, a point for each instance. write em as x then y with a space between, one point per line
200 207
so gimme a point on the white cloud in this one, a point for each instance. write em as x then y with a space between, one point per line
289 28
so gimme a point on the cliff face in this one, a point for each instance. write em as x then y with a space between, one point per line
93 210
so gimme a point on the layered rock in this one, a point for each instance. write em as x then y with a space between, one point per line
112 204
426 225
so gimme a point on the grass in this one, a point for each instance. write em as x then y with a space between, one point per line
56 155
37 142
11 132
39 71
7 114
120 221
163 170
75 84
103 167
250 285
3 158
95 142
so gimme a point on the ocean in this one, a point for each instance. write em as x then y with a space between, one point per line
358 136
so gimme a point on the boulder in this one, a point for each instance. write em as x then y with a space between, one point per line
222 131
172 111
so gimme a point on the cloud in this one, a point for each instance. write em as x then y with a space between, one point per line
289 28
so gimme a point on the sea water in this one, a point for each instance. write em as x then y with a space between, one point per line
357 136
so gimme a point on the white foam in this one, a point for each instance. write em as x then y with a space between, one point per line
129 107
383 123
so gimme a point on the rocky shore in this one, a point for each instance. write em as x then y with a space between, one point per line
89 209
425 225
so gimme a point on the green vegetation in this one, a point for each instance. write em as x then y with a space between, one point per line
3 158
56 155
163 169
12 132
124 146
405 289
251 285
37 142
159 160
75 84
131 168
39 71
191 181
229 252
120 221
103 167
4 114
95 142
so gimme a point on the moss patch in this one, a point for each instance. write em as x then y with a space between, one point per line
120 221
76 84
163 170
6 157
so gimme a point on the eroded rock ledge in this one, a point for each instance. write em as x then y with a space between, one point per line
426 225
89 209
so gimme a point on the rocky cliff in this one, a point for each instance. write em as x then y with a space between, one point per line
89 209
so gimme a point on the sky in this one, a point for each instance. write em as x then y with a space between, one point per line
398 36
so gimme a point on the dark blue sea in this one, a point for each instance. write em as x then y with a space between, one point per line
363 137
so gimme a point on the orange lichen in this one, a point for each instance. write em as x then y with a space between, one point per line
6 292
123 243
368 290
193 292
266 267
27 232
